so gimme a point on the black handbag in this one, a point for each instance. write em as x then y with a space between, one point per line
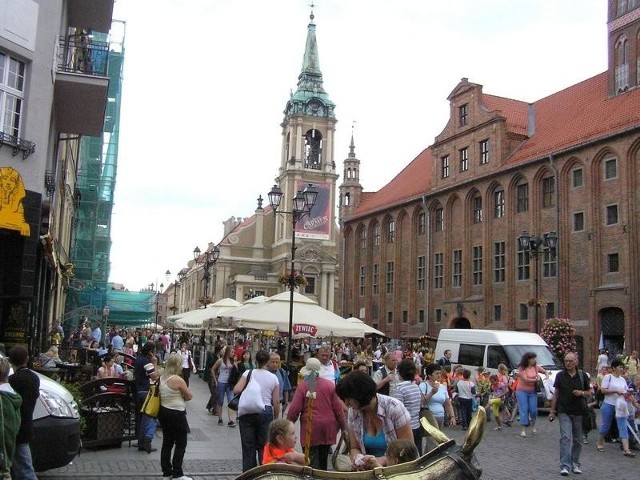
539 385
234 403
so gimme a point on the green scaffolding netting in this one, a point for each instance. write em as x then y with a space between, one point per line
131 308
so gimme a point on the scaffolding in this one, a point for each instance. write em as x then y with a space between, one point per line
91 243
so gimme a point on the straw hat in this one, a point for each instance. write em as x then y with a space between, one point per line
312 366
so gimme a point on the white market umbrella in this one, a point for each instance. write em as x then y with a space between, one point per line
196 319
368 329
309 319
222 321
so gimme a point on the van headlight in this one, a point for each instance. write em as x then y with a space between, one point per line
57 406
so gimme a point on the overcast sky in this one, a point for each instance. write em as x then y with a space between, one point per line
206 82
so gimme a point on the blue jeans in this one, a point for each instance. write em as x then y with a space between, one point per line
608 414
254 428
223 389
527 405
570 440
22 467
146 424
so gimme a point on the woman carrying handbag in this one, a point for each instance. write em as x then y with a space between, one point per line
258 406
174 393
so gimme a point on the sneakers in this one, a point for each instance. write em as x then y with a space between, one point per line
576 470
183 477
564 472
534 431
231 424
585 440
523 434
220 422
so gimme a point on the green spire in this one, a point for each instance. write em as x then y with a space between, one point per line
310 98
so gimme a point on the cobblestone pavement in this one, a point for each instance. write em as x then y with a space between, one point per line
213 452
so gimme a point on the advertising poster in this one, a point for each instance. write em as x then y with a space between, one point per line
317 224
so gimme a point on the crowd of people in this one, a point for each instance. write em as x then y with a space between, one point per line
376 403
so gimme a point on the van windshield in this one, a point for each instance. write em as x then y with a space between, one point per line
544 356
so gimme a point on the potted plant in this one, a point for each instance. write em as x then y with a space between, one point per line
299 279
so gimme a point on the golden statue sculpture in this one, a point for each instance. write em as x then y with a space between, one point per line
12 195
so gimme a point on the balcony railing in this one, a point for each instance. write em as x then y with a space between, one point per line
80 54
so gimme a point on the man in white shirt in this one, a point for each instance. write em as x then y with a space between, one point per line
329 368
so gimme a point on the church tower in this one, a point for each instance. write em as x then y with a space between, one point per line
307 156
350 189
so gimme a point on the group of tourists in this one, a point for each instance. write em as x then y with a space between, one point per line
376 406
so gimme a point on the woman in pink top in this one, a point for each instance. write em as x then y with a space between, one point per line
526 394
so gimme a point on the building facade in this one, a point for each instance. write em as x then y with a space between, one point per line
53 88
255 252
440 245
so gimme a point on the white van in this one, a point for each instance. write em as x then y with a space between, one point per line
474 348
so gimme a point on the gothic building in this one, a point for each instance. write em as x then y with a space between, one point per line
255 252
445 243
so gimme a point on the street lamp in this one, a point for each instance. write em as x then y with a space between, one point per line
302 204
531 247
210 258
157 293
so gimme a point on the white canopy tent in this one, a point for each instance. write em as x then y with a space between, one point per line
197 319
368 329
309 319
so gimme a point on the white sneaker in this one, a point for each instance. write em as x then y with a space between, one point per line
564 472
576 470
183 477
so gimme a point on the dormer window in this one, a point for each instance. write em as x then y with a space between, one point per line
463 117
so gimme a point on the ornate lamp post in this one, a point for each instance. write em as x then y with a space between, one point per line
157 293
210 258
532 245
302 205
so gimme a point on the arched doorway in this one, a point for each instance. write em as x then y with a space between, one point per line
461 322
612 330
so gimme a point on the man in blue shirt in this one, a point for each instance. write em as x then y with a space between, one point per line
144 370
96 333
117 342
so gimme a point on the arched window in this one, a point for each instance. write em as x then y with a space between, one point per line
313 149
498 203
622 64
391 231
476 204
